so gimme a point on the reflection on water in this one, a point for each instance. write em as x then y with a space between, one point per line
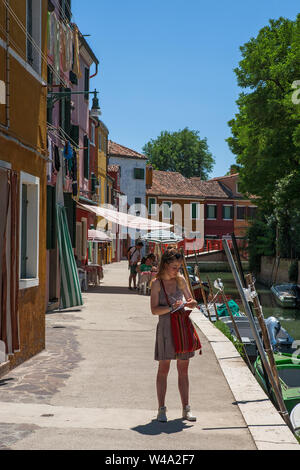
289 317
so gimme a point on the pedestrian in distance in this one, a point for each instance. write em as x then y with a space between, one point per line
169 278
134 256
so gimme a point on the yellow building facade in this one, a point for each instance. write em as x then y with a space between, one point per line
104 183
23 153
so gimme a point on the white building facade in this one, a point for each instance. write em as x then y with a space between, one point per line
132 181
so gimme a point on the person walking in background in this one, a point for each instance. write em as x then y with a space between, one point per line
170 283
134 256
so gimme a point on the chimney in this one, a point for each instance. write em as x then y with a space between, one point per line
149 172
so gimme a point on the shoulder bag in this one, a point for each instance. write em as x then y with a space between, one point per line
184 334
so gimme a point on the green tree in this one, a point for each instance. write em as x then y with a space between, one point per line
266 129
286 201
181 151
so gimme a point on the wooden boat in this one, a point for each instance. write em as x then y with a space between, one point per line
287 295
288 368
244 328
295 418
280 339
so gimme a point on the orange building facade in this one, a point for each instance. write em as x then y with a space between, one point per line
23 159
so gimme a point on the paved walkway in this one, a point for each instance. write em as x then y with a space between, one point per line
94 385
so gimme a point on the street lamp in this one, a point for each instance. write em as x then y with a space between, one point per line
95 111
54 96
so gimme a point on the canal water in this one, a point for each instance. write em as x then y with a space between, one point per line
288 317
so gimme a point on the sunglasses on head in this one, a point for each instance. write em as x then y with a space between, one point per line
177 256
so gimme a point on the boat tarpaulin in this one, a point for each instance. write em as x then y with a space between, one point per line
70 287
98 236
126 220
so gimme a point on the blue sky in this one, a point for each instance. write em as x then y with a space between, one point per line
168 64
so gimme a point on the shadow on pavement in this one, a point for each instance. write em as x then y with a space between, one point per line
155 427
111 290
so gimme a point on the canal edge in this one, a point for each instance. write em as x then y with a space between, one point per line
265 425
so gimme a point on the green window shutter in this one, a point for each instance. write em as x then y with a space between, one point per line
139 173
29 14
74 134
70 206
86 144
227 212
24 231
151 206
86 83
51 218
194 210
93 183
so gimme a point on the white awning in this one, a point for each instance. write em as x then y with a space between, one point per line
126 220
163 236
98 236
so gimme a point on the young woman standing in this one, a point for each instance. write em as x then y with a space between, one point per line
170 279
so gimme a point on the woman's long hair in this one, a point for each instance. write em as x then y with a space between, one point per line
169 256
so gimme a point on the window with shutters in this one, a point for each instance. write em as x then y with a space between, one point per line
78 248
240 212
65 112
86 83
86 153
70 206
139 173
211 211
29 230
84 238
167 210
227 212
65 10
33 34
92 133
251 212
195 210
74 134
152 206
51 218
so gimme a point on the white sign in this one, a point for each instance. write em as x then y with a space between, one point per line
2 92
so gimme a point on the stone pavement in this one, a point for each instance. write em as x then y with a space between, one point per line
93 387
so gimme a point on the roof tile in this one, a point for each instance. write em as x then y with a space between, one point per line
118 150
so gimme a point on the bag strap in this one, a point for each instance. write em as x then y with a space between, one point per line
164 289
131 254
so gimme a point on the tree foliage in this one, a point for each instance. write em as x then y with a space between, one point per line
181 151
266 129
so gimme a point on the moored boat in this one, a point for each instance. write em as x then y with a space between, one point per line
295 418
280 339
221 310
288 367
286 295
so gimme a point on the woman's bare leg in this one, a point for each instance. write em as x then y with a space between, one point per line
183 381
161 381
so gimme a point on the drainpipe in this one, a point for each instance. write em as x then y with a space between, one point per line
91 76
7 71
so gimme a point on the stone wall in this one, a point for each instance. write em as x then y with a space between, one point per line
270 274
